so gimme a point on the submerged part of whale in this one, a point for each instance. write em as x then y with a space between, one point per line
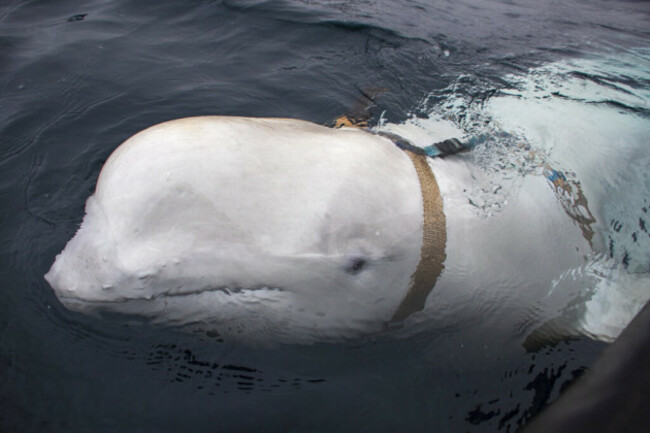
263 229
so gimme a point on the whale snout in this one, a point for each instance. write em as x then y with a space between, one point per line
72 283
84 272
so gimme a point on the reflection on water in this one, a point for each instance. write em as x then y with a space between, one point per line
78 80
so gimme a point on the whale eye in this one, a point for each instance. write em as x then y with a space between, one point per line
355 265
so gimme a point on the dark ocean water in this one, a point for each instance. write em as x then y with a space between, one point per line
77 79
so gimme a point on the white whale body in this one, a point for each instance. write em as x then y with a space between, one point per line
259 226
279 230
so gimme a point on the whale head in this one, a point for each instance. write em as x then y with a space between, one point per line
264 230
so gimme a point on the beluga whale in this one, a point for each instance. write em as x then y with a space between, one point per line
272 230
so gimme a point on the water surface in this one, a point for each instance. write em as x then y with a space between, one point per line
570 79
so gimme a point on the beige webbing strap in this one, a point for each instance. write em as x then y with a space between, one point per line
434 241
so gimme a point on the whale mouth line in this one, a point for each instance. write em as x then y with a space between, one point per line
123 300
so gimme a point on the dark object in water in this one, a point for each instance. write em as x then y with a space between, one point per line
613 395
77 17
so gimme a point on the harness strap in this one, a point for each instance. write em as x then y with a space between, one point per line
434 226
434 239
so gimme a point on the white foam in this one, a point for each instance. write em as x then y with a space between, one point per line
423 132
